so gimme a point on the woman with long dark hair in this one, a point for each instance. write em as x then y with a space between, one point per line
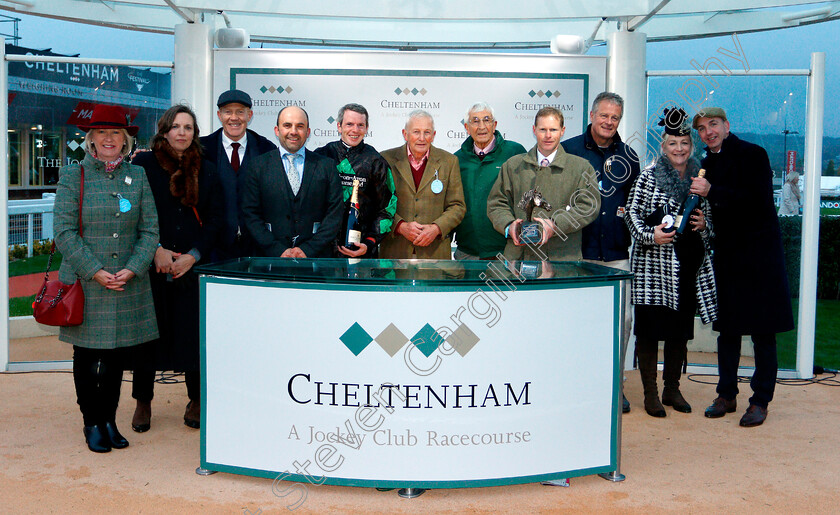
190 204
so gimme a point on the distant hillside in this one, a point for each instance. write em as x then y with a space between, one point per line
775 146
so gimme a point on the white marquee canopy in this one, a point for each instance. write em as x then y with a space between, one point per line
439 23
624 26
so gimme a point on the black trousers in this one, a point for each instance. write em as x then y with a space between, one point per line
763 382
143 387
97 374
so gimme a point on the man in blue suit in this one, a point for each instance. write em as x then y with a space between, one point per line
232 149
292 202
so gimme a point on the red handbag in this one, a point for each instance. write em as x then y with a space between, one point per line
57 303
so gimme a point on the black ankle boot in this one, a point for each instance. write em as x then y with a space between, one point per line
117 440
97 439
192 415
142 420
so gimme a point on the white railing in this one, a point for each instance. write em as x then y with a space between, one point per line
31 221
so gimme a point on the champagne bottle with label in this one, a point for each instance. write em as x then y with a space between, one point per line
353 227
690 204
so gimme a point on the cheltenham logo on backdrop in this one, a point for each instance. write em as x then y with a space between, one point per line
540 93
413 91
276 89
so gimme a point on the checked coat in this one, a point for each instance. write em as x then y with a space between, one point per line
111 240
656 267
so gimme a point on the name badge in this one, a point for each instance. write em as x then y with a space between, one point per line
437 184
125 204
128 180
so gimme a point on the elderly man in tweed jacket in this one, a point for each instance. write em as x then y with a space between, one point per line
430 197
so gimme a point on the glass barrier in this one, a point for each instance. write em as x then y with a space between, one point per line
769 111
47 100
410 272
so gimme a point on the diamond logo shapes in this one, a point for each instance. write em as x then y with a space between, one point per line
391 340
463 340
356 339
541 93
276 89
412 91
427 340
73 144
331 119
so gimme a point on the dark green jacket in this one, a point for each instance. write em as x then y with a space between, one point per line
476 235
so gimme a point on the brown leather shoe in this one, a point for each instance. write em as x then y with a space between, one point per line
142 420
192 415
721 407
754 416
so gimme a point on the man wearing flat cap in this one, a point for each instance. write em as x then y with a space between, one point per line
231 149
753 294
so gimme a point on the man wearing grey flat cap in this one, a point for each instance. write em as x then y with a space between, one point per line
231 149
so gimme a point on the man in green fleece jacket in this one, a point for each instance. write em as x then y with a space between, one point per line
481 157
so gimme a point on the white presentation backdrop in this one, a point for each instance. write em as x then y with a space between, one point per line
392 84
286 381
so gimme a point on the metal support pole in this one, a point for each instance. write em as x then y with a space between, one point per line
192 79
4 210
626 76
30 233
811 219
616 475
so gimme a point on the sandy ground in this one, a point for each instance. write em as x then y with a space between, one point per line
683 463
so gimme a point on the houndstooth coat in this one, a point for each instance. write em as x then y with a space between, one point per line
112 240
655 267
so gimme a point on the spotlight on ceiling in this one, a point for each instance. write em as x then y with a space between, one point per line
574 45
229 37
567 44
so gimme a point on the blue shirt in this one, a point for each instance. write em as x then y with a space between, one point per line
300 162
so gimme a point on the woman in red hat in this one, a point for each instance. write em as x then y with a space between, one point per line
108 246
190 201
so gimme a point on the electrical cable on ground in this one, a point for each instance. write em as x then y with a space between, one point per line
829 380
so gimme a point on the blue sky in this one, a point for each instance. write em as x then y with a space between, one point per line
759 103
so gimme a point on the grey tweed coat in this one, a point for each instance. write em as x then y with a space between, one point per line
656 267
112 240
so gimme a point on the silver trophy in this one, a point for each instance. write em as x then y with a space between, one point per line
530 232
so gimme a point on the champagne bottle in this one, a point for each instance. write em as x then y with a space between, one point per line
352 231
690 204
